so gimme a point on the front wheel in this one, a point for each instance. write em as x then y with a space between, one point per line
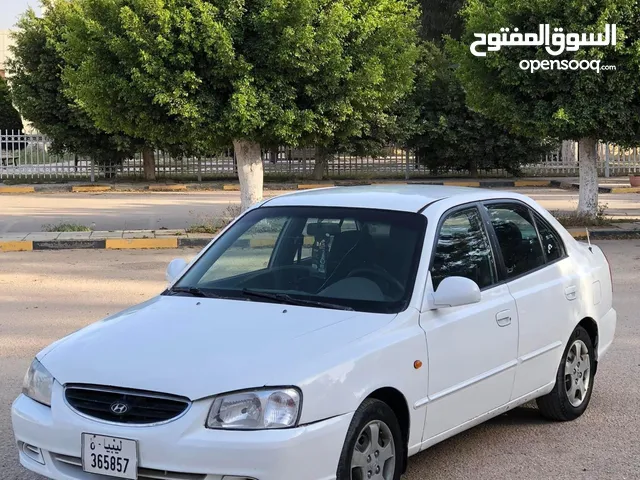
373 449
574 381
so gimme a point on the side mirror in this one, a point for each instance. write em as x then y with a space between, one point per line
455 292
175 268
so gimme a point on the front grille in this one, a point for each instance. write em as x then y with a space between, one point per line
133 407
143 473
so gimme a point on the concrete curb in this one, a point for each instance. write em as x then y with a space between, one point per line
17 189
219 186
183 242
103 244
232 187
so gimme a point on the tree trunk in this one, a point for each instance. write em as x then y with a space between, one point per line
568 151
588 161
149 164
250 172
273 153
473 168
321 163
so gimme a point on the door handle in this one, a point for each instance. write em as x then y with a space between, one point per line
503 318
571 292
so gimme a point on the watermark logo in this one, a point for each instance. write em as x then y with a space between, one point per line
555 44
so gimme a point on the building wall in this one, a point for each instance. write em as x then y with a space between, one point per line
5 41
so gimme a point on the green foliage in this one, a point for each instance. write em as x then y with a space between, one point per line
447 134
9 117
38 91
202 73
566 104
65 227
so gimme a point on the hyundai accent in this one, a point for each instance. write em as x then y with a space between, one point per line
327 334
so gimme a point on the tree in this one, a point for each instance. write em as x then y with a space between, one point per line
448 135
583 105
10 119
210 73
36 69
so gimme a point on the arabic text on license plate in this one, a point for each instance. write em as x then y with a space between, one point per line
112 456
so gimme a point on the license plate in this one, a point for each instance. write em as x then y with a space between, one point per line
115 457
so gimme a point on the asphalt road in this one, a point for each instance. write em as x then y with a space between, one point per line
153 210
46 295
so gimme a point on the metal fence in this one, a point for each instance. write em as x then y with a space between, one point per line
28 158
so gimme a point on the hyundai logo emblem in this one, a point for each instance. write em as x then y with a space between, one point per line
119 408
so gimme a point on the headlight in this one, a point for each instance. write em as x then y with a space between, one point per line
38 383
255 410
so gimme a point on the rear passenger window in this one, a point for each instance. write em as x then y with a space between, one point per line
551 243
517 237
463 250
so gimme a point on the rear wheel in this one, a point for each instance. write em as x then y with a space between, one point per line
574 381
373 449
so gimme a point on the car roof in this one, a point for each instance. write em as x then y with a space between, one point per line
406 198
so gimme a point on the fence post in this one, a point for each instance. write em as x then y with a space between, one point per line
93 175
199 169
606 160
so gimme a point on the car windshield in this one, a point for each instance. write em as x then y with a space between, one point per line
345 258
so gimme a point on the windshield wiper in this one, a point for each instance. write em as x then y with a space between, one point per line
289 300
193 291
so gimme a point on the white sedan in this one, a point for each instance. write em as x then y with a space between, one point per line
327 334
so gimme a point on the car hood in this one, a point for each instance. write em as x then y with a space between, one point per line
198 347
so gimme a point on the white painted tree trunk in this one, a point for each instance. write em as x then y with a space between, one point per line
250 172
588 161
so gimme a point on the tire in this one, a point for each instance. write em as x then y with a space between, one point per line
355 464
574 381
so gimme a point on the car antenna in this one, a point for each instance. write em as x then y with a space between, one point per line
588 239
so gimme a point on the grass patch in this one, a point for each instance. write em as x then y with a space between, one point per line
203 228
212 225
576 219
65 227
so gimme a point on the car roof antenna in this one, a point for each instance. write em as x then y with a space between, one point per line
588 239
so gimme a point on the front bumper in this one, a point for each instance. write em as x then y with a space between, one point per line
182 449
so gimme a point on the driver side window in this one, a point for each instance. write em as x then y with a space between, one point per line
463 250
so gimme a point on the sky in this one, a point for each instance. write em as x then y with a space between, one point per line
10 10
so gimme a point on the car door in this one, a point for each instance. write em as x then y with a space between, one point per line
471 349
544 286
